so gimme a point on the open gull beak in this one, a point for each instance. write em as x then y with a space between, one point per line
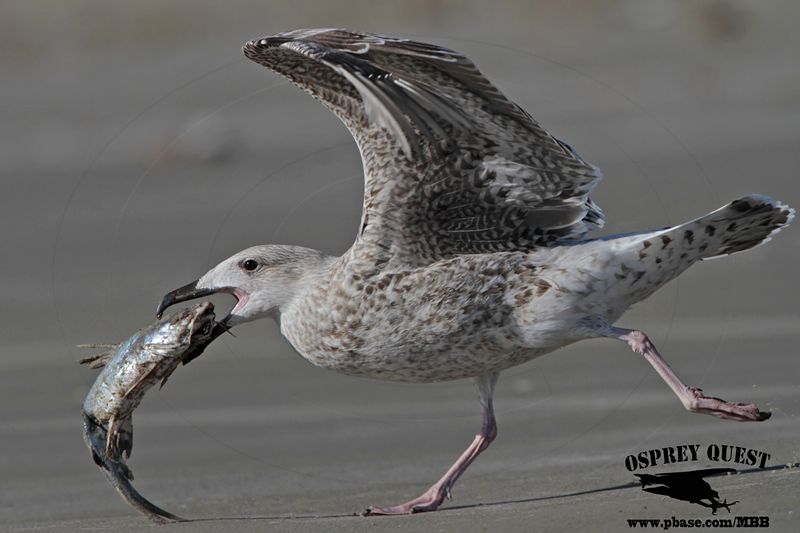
191 292
182 294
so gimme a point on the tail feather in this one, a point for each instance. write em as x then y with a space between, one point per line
650 259
741 225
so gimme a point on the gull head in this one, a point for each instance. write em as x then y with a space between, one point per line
263 279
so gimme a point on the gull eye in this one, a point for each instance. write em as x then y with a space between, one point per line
250 265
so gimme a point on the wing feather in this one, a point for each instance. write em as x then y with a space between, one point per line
451 165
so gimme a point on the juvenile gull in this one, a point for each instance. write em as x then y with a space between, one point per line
470 257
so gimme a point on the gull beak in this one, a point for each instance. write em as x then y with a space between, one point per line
182 294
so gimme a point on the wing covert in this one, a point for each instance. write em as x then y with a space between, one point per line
451 165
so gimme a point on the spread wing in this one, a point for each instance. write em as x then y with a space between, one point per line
451 166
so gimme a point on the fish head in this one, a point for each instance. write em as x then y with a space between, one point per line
178 332
261 278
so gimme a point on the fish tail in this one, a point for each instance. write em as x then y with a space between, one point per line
118 473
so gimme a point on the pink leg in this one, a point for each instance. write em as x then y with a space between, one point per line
692 399
432 498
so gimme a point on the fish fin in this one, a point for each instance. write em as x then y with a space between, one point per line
111 438
99 360
96 345
125 470
147 375
96 361
124 439
97 459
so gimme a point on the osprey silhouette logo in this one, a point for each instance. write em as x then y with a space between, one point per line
689 486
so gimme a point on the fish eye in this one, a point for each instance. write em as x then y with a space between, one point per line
250 265
207 328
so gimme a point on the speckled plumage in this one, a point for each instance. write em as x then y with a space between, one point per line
471 256
472 214
451 165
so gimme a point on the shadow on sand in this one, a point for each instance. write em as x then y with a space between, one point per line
625 486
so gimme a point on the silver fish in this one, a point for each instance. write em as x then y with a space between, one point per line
131 369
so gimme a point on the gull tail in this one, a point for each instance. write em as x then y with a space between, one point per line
738 226
741 225
647 260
